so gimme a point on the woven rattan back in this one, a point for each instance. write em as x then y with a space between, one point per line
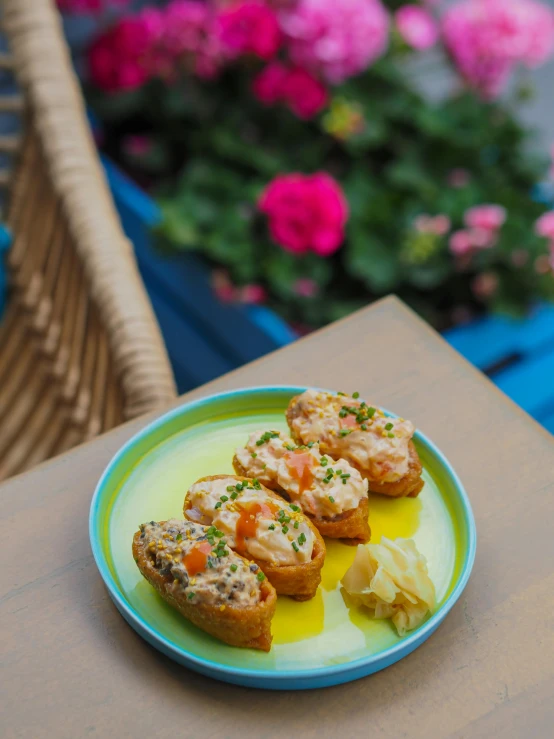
80 350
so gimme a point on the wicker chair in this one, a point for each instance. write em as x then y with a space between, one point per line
80 350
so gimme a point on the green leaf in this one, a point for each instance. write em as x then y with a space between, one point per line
370 259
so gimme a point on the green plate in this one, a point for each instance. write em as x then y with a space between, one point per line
318 643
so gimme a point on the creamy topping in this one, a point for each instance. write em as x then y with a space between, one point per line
321 486
199 565
262 453
356 431
254 523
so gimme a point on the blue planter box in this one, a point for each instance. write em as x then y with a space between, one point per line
206 338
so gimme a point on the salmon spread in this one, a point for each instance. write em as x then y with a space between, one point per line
256 524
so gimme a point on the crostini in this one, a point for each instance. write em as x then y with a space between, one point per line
331 493
213 587
262 527
381 448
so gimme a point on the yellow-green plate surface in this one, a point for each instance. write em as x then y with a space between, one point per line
318 643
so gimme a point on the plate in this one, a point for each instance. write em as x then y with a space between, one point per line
317 643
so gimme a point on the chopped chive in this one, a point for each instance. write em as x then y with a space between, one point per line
343 413
344 480
388 426
233 568
260 576
310 444
294 507
224 498
271 527
390 435
289 447
239 486
253 455
296 524
178 537
371 411
331 499
230 488
285 529
191 595
218 504
295 546
364 427
323 461
345 432
356 395
339 393
259 442
302 538
210 563
264 466
234 495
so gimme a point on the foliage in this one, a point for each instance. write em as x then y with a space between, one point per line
209 148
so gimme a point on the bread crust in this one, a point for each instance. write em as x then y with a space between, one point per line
352 526
237 626
298 581
410 485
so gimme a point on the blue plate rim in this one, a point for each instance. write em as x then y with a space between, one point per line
390 654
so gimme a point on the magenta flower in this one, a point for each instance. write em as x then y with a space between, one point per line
335 40
485 217
417 26
487 38
544 226
301 91
268 84
250 27
82 7
305 287
305 212
116 58
304 94
190 35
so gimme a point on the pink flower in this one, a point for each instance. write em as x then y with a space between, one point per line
252 293
486 217
268 84
544 226
305 212
487 38
250 27
335 40
417 26
484 285
305 95
306 287
460 243
458 177
191 33
439 225
300 90
116 58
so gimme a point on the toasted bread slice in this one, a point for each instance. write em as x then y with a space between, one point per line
298 581
236 625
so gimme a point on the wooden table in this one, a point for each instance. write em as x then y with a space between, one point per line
74 668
